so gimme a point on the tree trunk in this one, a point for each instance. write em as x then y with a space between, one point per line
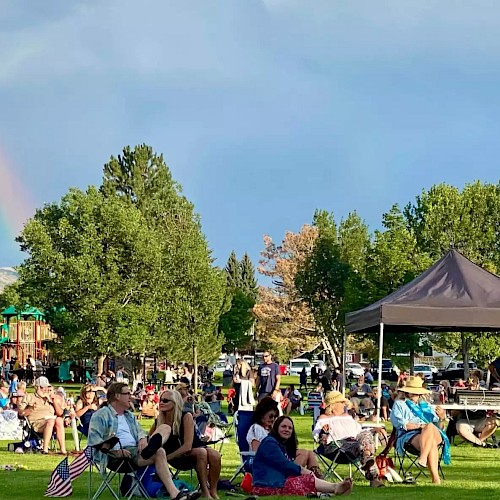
465 354
100 364
195 370
412 361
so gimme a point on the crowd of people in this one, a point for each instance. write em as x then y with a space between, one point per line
105 409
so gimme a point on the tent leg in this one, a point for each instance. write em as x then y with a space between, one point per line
344 356
380 356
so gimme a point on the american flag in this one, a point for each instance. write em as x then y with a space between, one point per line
60 482
80 463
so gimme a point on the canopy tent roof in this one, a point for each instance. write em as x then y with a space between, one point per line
454 294
9 311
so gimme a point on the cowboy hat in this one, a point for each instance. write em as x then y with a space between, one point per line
414 386
333 397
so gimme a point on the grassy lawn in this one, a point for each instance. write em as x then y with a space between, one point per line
473 474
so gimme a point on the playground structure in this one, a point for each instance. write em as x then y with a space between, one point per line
24 333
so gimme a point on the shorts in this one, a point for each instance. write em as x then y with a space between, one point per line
294 485
475 426
39 425
114 462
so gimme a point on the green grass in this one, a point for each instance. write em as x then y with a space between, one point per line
473 474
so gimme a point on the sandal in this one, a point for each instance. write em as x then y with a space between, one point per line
409 479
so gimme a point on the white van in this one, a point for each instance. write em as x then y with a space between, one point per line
295 366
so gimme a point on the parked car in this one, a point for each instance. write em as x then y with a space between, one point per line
389 369
295 366
455 370
354 370
319 363
220 366
426 370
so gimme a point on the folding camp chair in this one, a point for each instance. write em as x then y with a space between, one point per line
411 454
116 468
337 457
243 422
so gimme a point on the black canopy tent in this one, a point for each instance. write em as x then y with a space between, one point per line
453 295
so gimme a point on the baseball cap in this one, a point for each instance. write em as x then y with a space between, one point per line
42 382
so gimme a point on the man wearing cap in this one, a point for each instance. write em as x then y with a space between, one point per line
419 424
45 414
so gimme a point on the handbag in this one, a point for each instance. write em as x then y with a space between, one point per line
383 462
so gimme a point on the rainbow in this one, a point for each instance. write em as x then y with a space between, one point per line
16 204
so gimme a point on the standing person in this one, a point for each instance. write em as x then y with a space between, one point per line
268 378
6 370
303 379
314 375
169 377
242 383
116 420
494 369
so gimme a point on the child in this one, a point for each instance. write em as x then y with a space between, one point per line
14 382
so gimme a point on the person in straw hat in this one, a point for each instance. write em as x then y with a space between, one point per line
337 429
419 424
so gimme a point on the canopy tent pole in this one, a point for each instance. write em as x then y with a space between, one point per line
380 356
344 356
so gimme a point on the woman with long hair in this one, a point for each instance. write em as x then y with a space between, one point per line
275 472
85 407
265 414
174 429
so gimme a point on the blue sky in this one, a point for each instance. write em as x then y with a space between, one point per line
264 110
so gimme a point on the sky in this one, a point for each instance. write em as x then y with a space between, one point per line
263 110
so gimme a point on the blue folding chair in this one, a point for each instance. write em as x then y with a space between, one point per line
243 422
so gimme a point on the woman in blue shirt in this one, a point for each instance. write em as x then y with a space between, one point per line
416 422
275 472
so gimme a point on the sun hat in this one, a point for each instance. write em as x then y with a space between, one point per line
333 397
42 382
414 386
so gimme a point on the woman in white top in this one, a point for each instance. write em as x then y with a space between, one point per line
265 414
337 429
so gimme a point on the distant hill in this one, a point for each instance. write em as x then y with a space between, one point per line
7 276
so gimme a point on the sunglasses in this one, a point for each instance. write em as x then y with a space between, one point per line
165 400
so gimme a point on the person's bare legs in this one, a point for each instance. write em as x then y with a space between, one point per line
288 408
489 428
306 458
465 430
201 463
429 438
162 470
342 488
60 435
47 434
432 465
214 468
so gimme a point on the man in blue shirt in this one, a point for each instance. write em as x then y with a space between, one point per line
494 369
268 378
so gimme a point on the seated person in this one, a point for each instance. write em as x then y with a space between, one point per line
114 419
264 416
175 431
360 395
45 414
209 391
19 396
384 405
138 396
417 423
476 426
336 428
293 398
460 383
4 396
276 473
85 407
187 397
149 408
